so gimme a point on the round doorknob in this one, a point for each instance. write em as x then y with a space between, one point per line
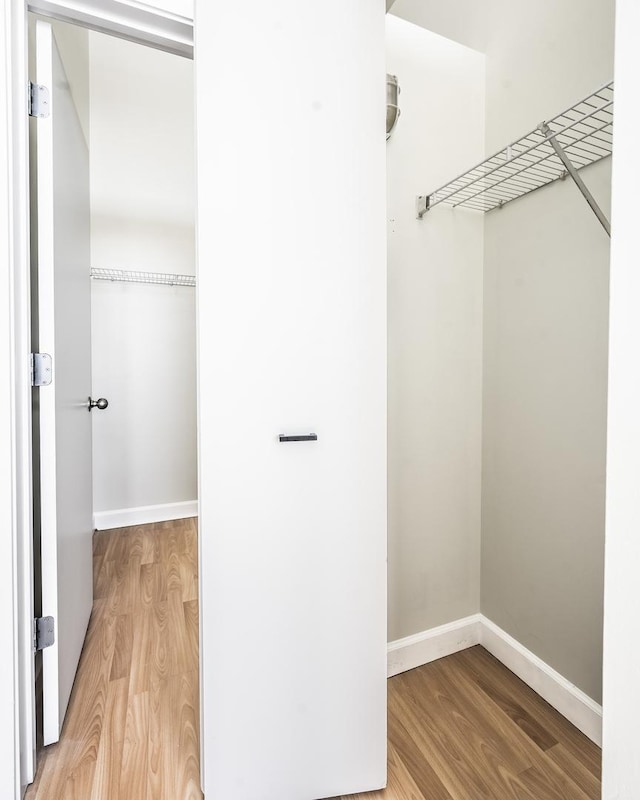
100 404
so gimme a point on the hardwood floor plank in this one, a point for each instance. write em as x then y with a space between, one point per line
133 780
140 678
174 576
156 788
535 783
153 586
191 618
439 745
401 785
83 722
474 713
135 547
578 773
185 706
188 577
150 546
123 648
50 783
79 783
105 578
160 659
540 735
100 542
406 757
106 779
98 560
178 636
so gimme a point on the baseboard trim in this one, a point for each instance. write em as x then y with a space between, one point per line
421 648
143 515
553 687
567 699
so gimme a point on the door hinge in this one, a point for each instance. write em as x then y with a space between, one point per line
44 632
41 369
39 103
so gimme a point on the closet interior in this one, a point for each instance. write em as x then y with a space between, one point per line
498 334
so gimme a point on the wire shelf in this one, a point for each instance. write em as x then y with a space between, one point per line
584 131
136 276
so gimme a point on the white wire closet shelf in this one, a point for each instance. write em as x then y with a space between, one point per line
579 136
137 276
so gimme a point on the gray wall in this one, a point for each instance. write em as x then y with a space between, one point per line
435 336
545 352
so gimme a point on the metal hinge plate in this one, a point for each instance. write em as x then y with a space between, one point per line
41 369
44 632
39 102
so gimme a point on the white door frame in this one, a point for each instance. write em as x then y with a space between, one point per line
126 19
168 31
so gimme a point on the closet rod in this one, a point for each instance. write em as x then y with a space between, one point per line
579 136
137 276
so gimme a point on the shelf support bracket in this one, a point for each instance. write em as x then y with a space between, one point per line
422 205
560 152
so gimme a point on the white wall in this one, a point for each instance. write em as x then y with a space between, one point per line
292 337
545 367
542 59
142 218
463 21
73 43
621 764
435 334
183 8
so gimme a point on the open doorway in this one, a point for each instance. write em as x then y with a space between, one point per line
121 187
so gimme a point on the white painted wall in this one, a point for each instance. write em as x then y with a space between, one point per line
183 8
73 43
142 218
435 334
621 765
292 338
545 367
541 61
463 21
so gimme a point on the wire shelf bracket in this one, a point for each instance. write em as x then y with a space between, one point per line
555 149
137 276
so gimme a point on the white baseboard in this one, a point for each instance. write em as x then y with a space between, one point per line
143 515
571 702
421 648
553 687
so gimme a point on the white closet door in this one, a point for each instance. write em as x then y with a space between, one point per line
64 318
292 336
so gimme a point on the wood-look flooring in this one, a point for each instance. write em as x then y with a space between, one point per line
466 728
132 727
461 728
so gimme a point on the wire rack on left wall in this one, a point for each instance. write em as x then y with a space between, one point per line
137 276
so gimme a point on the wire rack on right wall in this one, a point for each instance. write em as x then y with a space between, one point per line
584 131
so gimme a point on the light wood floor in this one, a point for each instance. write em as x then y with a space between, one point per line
462 728
465 728
132 728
